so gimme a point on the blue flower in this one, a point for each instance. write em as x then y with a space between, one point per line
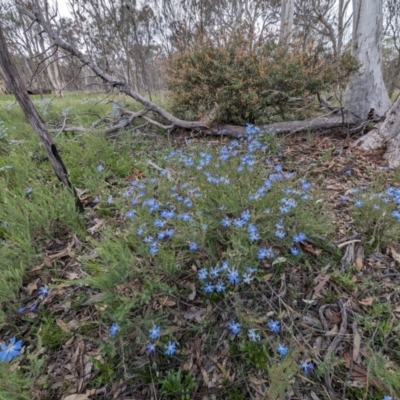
140 230
247 278
251 228
114 329
193 246
239 222
274 326
150 348
265 253
208 287
245 215
148 239
184 217
43 291
130 214
7 353
387 398
220 287
214 272
154 332
100 168
226 222
234 327
110 200
306 366
233 276
358 203
170 348
202 274
282 349
21 310
28 191
158 223
280 234
224 265
305 185
167 214
153 249
253 335
95 200
294 251
254 236
299 237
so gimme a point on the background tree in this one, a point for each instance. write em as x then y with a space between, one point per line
366 90
287 13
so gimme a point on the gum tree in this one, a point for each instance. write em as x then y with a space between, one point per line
366 90
286 30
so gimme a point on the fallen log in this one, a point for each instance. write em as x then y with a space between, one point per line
39 91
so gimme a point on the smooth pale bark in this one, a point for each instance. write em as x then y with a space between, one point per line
366 89
386 134
287 12
15 81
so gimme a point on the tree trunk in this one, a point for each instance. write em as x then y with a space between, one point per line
21 94
286 31
366 90
387 133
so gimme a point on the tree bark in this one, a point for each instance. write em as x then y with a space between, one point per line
386 133
366 90
33 117
286 30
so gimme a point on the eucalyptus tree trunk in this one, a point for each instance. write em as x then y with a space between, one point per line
366 90
287 12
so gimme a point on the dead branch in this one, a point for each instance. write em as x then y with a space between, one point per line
128 121
120 84
318 124
68 129
21 94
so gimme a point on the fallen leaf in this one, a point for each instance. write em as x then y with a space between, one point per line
96 226
356 344
192 295
333 332
31 288
60 254
194 314
279 260
368 301
310 249
96 298
321 280
72 275
83 396
62 325
394 254
166 301
267 277
397 309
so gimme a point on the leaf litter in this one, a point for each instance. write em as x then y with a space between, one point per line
326 321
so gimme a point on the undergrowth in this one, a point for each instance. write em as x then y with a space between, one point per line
188 276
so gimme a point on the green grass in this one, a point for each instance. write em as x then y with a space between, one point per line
101 271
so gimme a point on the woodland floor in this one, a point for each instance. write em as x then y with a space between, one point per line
338 302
